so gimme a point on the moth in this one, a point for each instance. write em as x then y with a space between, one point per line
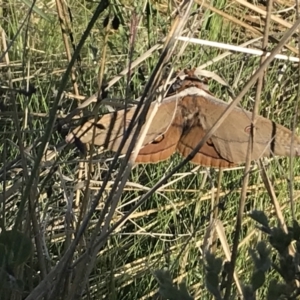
180 123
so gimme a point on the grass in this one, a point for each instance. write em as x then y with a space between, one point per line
168 230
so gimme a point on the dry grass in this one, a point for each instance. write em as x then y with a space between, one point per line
99 225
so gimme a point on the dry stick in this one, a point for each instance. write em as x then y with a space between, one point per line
271 192
121 179
221 119
61 11
261 78
215 209
101 68
69 219
222 237
134 23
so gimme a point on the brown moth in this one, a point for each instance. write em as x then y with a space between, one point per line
181 122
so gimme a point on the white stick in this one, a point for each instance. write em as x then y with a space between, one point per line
235 48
